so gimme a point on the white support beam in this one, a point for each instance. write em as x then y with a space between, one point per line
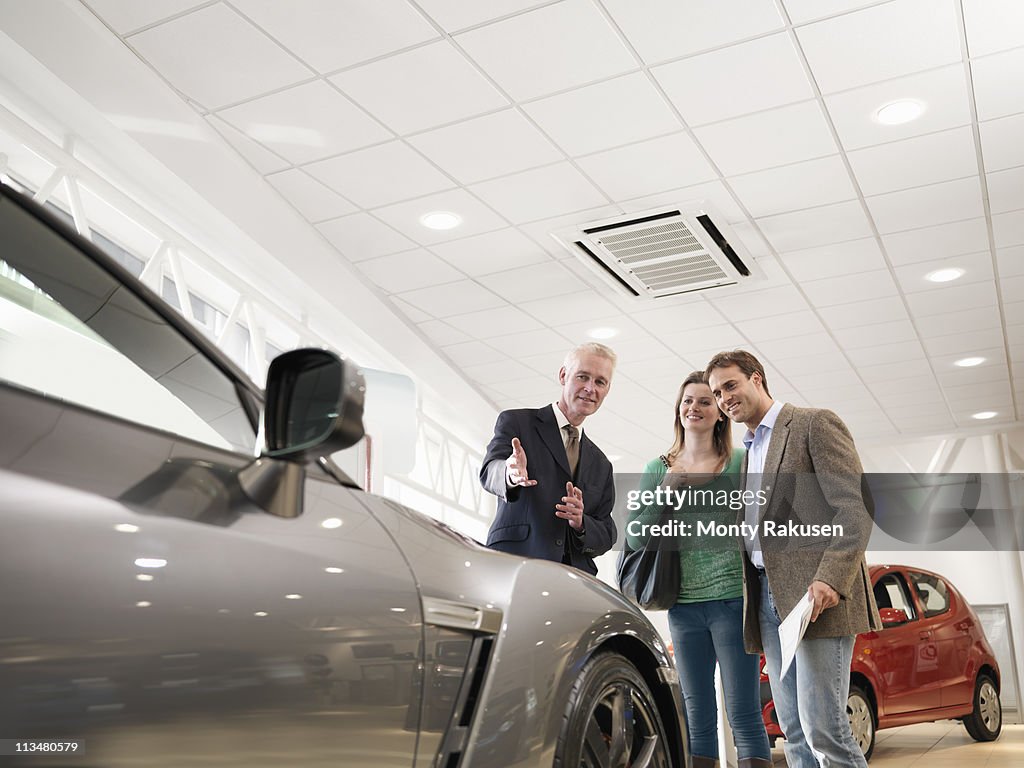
43 193
152 272
180 286
77 209
257 345
233 315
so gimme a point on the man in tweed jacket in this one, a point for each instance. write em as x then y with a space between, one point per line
805 463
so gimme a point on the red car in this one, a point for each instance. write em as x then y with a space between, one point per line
931 661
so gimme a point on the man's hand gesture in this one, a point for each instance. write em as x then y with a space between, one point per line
515 467
571 508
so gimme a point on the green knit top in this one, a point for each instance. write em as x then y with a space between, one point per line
709 570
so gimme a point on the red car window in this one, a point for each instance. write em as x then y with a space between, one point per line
932 592
891 592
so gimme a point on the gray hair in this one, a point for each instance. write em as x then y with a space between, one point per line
589 348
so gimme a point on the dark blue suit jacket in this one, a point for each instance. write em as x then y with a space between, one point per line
525 523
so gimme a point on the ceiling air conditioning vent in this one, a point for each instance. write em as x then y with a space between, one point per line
661 253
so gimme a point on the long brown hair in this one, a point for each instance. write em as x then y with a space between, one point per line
722 436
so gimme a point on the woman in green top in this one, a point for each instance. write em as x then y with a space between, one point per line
707 621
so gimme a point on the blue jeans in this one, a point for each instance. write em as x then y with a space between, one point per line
703 633
811 699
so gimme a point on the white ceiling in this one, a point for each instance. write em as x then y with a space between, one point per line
524 117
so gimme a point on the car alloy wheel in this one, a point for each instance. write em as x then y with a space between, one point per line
986 721
611 720
862 720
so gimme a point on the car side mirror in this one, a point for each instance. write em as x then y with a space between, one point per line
314 407
891 617
314 404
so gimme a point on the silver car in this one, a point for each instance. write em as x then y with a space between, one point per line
168 599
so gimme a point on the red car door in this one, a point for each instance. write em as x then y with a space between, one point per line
901 652
950 625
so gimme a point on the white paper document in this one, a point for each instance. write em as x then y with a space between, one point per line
792 629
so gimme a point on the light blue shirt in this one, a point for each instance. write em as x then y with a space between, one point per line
757 449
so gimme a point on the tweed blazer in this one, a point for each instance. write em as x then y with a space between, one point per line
813 475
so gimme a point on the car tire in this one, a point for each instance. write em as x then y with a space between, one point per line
862 719
986 721
611 719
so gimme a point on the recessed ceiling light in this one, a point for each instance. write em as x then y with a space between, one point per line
143 604
602 333
293 597
969 362
150 562
334 569
144 577
440 220
899 112
982 415
261 614
331 522
944 275
126 528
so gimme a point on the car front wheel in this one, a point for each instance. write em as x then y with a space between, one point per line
862 720
986 721
611 719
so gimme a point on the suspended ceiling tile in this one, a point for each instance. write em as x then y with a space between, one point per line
258 156
493 373
955 321
880 43
959 345
492 252
649 167
1000 142
491 323
780 326
1013 311
759 304
874 374
570 44
473 353
666 29
454 15
632 353
960 297
380 175
863 286
802 11
794 187
977 268
885 310
767 139
539 193
409 270
1010 262
808 346
402 90
997 79
834 260
915 162
700 346
306 122
441 333
902 392
927 206
942 91
1006 190
542 281
461 297
872 334
128 15
518 343
992 25
817 226
216 57
578 305
692 316
749 77
711 195
609 114
487 147
476 217
415 315
311 198
927 243
329 35
360 236
894 354
793 367
1008 229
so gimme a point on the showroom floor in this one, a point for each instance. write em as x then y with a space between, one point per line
944 744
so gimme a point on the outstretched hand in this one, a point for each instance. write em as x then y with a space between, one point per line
515 466
571 508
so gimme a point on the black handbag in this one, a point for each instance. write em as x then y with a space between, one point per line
650 577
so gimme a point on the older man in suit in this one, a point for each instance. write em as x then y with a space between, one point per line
805 462
554 486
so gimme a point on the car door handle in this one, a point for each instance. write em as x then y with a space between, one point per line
924 634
